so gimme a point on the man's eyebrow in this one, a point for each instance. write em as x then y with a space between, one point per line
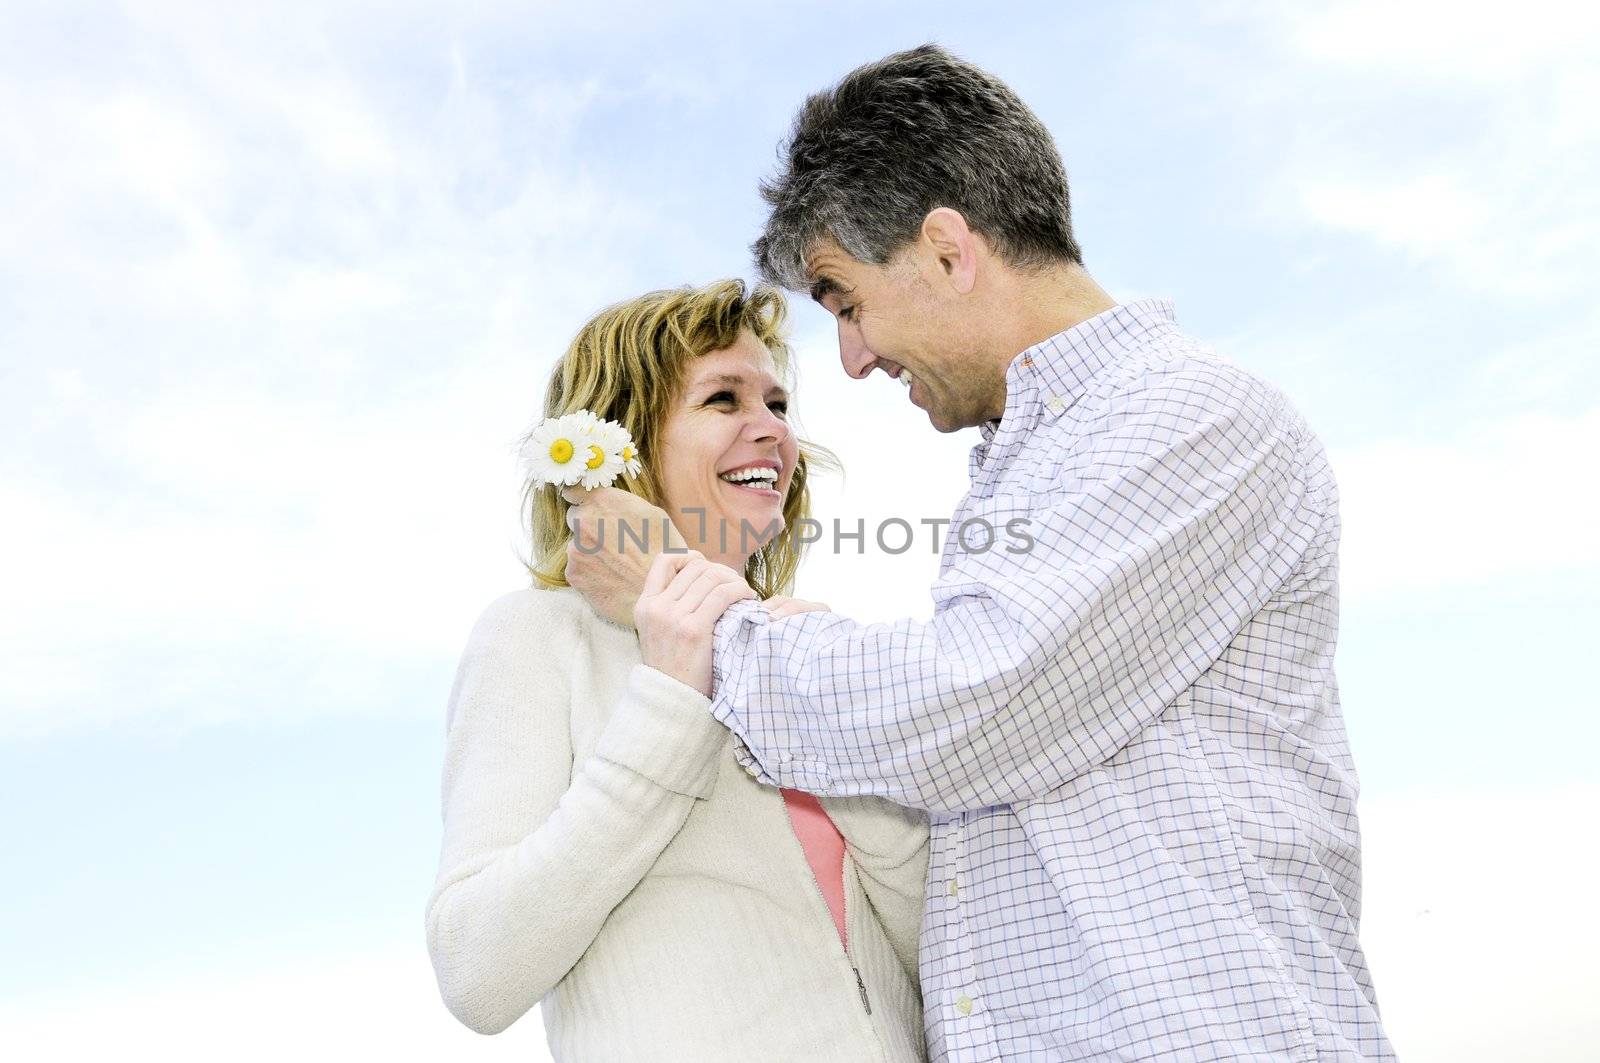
825 286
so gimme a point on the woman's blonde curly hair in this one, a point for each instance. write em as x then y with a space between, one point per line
627 364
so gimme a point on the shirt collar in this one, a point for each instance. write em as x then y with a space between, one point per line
1058 370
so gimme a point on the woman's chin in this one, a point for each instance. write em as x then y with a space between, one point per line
756 523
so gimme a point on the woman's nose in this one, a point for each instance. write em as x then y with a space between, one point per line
768 425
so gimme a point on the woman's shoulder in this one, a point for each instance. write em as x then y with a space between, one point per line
550 616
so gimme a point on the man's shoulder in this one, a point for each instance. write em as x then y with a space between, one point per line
1182 379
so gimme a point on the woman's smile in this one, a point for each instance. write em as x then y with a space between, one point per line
727 453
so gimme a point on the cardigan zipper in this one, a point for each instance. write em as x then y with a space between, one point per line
861 986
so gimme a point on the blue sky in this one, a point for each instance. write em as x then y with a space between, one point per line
281 285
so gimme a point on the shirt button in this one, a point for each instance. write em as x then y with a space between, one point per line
752 771
1054 404
964 1004
953 888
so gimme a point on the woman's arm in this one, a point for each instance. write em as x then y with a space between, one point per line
889 845
536 852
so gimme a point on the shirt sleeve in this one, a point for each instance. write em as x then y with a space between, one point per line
1184 511
537 850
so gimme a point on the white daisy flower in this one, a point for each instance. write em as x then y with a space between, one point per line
579 448
612 436
630 458
554 452
619 444
601 463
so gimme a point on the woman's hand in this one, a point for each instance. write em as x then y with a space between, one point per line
683 597
780 606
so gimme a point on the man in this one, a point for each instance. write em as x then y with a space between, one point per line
1128 735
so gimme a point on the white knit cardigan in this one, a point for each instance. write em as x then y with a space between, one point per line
604 853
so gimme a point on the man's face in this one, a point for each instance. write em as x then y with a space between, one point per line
899 318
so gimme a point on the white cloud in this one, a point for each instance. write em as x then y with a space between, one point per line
1470 147
1427 216
1476 923
276 355
378 1005
1475 41
1502 499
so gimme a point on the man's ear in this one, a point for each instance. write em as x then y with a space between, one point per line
952 247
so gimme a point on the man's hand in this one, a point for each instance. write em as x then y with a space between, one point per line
682 599
605 565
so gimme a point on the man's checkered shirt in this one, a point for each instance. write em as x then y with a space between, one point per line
1128 737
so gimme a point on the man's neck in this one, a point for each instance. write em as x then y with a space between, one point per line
1048 303
1030 307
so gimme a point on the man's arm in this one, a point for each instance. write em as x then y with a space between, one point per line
1182 521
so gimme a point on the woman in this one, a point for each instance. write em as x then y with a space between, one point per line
603 850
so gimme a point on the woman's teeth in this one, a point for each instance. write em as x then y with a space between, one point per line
762 478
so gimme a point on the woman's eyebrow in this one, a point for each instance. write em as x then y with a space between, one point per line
735 380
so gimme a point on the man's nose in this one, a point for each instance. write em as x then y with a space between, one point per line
853 353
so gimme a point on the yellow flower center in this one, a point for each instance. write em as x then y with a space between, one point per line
561 451
627 453
597 456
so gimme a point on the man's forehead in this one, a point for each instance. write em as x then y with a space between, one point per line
826 267
826 282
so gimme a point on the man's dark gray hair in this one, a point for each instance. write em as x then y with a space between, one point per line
868 159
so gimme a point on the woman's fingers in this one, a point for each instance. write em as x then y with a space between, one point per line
719 598
710 576
781 607
664 570
677 618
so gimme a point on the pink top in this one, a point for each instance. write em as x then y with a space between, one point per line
824 847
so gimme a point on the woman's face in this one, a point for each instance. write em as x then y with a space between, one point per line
729 423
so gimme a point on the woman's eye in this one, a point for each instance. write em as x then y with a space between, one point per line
721 396
779 406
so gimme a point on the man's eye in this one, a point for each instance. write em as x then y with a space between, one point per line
848 313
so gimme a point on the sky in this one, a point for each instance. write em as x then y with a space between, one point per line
280 286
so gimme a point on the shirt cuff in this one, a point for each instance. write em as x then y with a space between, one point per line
661 730
745 699
726 645
726 672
